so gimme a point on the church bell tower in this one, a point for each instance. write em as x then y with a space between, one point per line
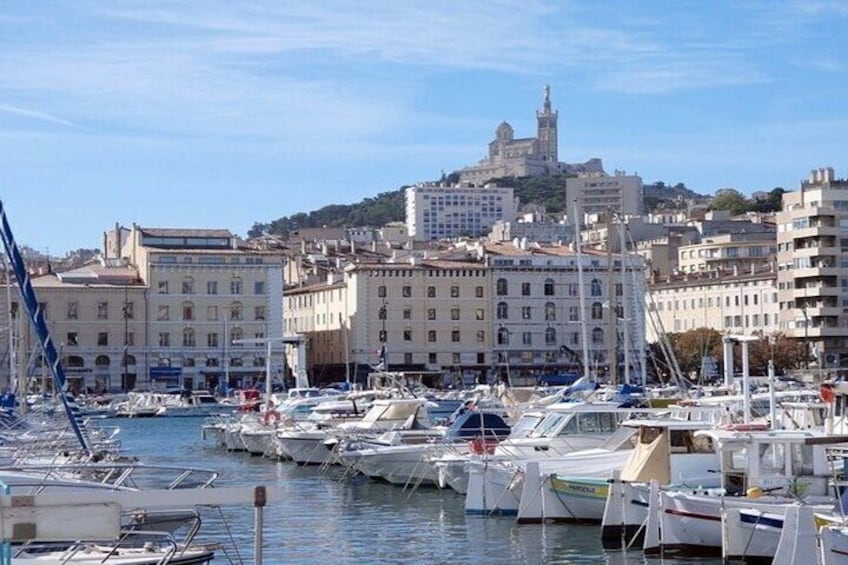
547 130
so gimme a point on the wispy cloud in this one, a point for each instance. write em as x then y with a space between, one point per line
35 115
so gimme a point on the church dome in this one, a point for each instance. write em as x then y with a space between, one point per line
504 131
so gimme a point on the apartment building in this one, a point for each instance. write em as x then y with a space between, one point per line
540 323
439 211
728 251
812 239
430 315
206 294
734 302
97 319
600 193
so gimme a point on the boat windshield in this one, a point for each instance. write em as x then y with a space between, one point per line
525 425
393 411
550 424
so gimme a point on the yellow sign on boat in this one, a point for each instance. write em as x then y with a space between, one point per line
572 487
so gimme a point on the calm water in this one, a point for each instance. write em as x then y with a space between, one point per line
329 518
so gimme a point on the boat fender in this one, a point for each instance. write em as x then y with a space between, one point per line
271 417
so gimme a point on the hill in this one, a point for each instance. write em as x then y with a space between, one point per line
388 207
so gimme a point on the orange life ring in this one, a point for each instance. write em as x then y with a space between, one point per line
271 417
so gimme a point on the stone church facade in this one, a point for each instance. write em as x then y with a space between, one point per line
531 156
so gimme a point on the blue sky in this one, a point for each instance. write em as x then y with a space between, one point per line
221 114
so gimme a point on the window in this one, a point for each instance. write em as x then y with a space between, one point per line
454 292
73 308
164 339
212 313
456 358
431 336
501 287
235 286
103 338
381 313
382 336
573 314
163 287
550 312
597 311
431 292
597 336
527 338
549 287
407 313
478 292
407 358
188 311
481 358
596 287
73 339
525 289
212 340
102 310
431 358
188 285
526 312
407 335
406 291
381 291
431 313
128 310
258 312
480 314
455 336
211 287
481 336
454 313
129 338
236 334
550 336
163 313
188 337
235 311
259 287
503 336
502 311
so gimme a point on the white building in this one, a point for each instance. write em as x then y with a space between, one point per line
600 193
438 211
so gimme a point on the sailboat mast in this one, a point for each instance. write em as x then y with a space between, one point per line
612 335
581 290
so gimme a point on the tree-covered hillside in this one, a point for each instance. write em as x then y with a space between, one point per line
388 207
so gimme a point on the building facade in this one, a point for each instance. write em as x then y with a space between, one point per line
438 211
812 240
599 193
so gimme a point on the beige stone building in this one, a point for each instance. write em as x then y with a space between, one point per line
205 294
741 303
728 252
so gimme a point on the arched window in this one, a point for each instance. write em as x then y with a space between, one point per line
549 287
188 362
503 336
74 362
596 287
236 334
128 360
501 287
188 311
502 311
235 311
597 336
550 312
212 362
102 361
597 311
550 336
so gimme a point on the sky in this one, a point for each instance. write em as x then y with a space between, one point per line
222 114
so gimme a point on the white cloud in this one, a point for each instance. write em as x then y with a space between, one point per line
35 115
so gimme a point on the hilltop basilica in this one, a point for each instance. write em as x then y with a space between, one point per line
530 156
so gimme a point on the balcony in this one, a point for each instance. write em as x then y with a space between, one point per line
816 291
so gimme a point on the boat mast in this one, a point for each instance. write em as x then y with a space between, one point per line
581 290
36 315
612 333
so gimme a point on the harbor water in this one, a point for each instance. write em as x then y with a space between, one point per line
327 517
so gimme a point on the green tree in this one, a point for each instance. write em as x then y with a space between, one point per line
730 199
691 346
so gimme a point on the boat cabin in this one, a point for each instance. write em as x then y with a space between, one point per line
788 462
